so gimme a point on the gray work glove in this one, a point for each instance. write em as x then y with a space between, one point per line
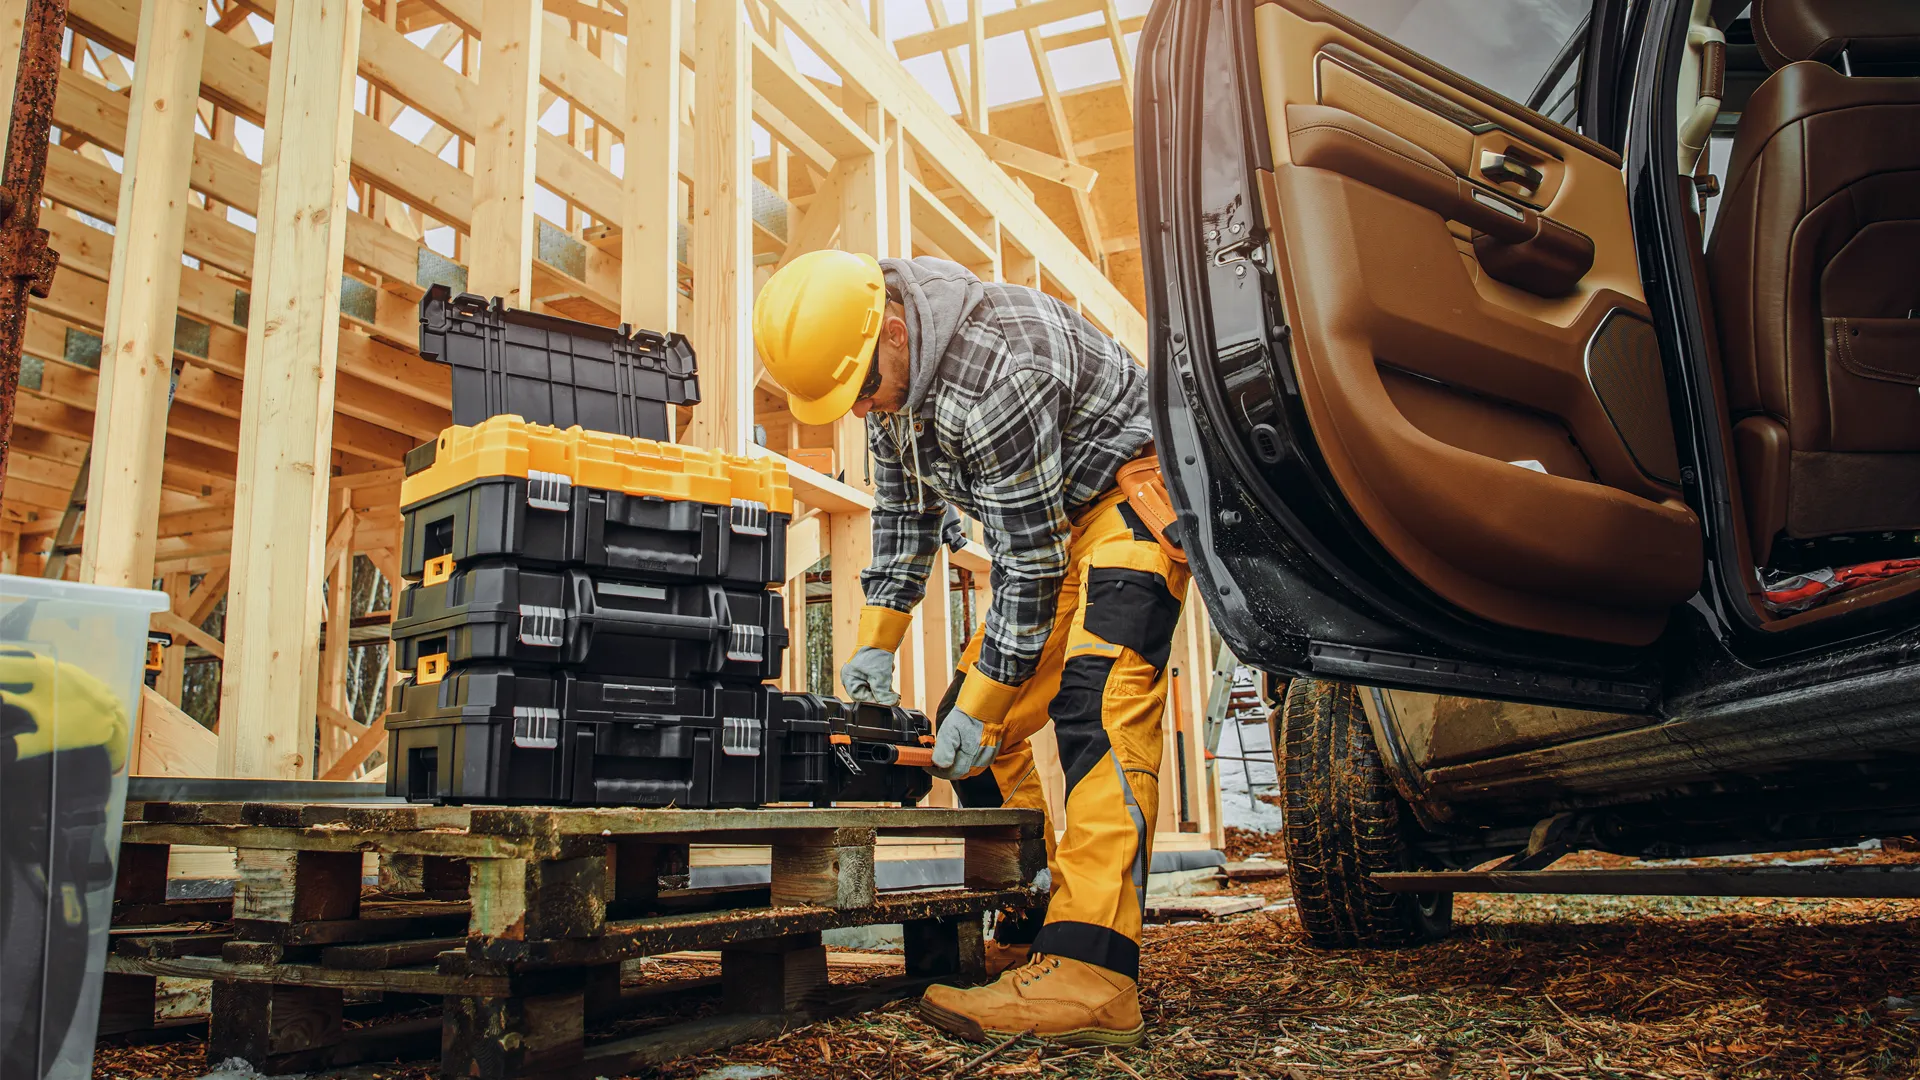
957 749
868 676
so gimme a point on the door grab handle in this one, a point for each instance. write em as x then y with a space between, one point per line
1503 169
1515 245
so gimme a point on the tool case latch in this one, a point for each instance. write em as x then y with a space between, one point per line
741 737
543 625
750 518
536 727
549 491
746 642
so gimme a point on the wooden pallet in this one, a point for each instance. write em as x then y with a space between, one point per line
519 919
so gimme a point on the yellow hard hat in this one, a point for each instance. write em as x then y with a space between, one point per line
814 326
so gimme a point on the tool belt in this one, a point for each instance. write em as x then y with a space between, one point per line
1146 492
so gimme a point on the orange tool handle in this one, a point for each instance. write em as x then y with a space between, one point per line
913 755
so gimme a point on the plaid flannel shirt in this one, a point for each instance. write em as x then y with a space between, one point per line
1032 413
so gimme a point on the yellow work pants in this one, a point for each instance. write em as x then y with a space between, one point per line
1102 680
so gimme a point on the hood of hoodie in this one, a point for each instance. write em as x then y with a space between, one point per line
939 296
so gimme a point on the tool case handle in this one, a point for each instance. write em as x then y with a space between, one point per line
712 627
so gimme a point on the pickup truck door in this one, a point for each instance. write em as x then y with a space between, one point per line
1412 406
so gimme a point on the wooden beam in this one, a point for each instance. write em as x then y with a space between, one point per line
795 95
722 254
503 157
171 742
1100 144
143 293
1000 22
977 65
1038 163
819 222
937 13
269 689
338 561
1067 39
832 30
946 230
374 738
1122 58
649 252
1090 233
168 623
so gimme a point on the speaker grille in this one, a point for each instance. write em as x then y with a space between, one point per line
1625 371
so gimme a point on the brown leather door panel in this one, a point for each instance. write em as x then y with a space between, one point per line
1442 316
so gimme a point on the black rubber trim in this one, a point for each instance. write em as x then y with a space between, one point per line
1088 943
1133 608
1076 712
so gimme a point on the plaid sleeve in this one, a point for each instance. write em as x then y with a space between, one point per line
1013 452
906 524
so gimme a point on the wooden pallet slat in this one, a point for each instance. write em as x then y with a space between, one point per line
520 918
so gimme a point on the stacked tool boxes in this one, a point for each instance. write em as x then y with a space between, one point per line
589 618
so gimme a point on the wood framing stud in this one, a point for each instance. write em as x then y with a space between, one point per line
722 254
143 291
649 257
508 121
270 688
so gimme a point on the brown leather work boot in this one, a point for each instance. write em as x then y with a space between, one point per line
1067 1001
1002 957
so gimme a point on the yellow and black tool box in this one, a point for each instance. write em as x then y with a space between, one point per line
622 507
503 613
556 371
507 735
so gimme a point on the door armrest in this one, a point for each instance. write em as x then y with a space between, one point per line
1515 244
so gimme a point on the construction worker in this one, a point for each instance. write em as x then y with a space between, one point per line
1005 403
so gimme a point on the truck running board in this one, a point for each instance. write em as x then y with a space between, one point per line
1854 882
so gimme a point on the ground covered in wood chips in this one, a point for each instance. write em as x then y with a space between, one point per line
1613 987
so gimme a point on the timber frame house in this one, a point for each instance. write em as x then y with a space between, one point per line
227 362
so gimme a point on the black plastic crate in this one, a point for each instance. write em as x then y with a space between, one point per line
610 532
555 371
504 613
828 750
501 735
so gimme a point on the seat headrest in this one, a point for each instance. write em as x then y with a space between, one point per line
1874 31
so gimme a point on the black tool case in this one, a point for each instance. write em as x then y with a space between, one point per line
610 532
550 370
827 751
504 613
498 734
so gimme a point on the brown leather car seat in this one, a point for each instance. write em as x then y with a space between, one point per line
1815 269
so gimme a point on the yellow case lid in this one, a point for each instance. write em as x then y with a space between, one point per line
510 446
762 480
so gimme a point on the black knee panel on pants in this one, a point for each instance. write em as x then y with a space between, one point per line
1076 715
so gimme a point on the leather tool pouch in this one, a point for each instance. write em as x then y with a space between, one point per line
1146 491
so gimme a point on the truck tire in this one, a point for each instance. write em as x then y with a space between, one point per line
1345 821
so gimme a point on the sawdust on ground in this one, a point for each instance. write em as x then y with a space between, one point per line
1686 988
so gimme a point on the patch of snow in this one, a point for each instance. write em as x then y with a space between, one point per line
1237 808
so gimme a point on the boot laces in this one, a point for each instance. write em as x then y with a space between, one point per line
1036 969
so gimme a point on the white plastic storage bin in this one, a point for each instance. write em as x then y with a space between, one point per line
71 663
